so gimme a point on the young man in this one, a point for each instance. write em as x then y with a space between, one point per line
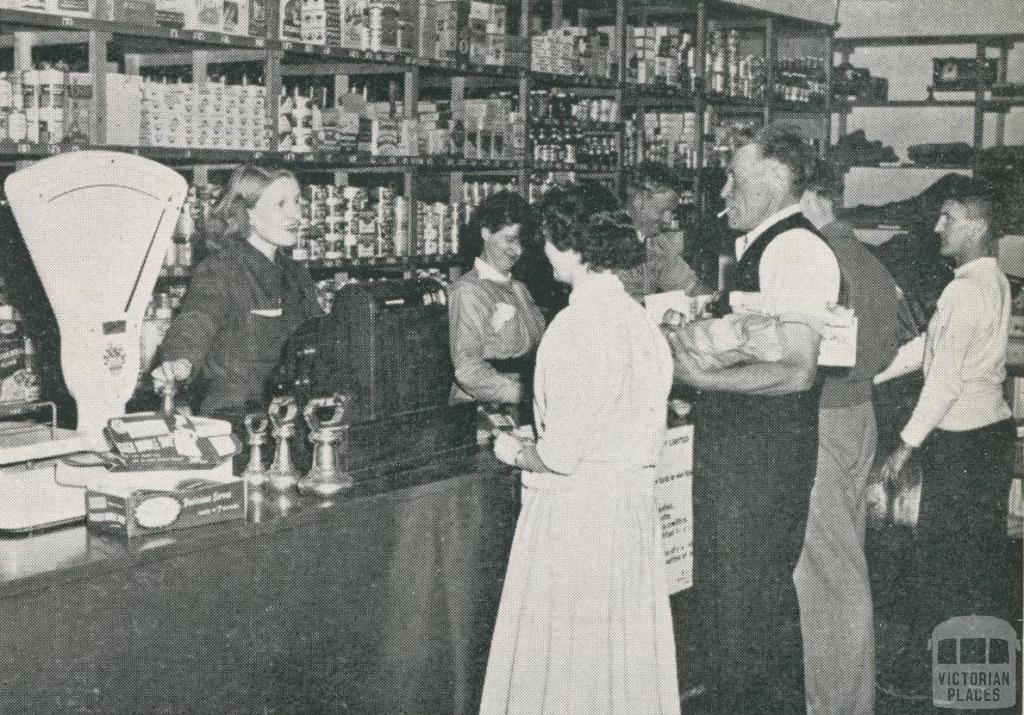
965 432
652 197
756 435
832 575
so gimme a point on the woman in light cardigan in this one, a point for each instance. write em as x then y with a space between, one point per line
584 624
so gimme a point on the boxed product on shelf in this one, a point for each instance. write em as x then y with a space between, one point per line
171 13
486 31
236 17
321 22
290 20
31 5
384 25
133 12
257 18
206 15
76 8
447 21
123 109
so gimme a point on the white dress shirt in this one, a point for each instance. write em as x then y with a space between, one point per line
798 271
965 354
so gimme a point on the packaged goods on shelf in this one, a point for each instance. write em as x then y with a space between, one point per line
487 29
257 18
346 222
660 55
47 105
234 17
290 20
474 192
75 8
442 24
19 377
321 22
134 12
856 83
801 79
572 50
123 109
437 228
209 115
564 107
171 13
205 15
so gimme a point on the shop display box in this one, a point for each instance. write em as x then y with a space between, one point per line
156 503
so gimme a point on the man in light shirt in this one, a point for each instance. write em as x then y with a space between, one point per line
964 430
755 442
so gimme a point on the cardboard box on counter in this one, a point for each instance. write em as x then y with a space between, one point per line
151 504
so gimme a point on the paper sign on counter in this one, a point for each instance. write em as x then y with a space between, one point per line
673 492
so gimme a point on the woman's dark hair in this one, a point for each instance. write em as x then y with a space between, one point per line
501 209
590 221
229 217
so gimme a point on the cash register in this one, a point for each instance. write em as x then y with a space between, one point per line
97 225
385 345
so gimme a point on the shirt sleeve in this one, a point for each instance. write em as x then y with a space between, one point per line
202 314
799 274
671 271
583 376
950 338
468 314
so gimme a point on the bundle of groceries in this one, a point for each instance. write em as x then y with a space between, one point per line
752 332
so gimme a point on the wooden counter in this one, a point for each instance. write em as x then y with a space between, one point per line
382 602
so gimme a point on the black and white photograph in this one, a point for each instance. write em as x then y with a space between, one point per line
511 357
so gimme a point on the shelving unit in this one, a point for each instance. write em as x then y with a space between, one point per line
138 48
982 103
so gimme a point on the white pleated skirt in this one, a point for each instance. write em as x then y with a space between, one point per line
584 625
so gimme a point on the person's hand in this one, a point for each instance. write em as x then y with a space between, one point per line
890 471
171 371
507 447
669 243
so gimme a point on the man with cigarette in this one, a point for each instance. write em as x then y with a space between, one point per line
652 197
756 435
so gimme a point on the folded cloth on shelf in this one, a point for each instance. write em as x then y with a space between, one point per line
949 153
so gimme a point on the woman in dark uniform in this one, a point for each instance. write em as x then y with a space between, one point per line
244 300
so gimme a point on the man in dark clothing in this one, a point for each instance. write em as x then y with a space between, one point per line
755 440
832 574
652 197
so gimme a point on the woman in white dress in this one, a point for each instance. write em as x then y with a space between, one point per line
584 624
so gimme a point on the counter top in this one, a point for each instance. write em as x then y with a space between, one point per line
71 553
380 601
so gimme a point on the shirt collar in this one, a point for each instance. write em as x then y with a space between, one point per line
489 272
985 263
595 285
744 241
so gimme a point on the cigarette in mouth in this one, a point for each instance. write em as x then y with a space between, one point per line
723 212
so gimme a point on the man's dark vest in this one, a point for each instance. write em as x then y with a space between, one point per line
745 275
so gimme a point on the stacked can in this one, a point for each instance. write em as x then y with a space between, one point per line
334 222
298 123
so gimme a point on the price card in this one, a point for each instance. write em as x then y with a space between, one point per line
673 492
